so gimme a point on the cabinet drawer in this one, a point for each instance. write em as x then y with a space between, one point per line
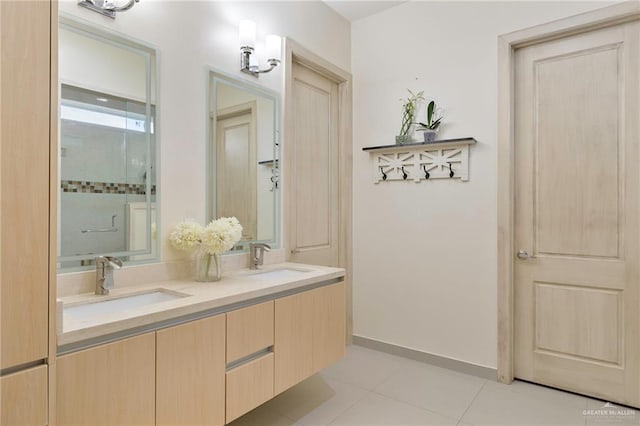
249 330
249 385
24 397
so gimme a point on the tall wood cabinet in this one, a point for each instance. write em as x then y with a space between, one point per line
26 31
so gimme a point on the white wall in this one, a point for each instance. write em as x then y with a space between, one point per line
425 254
191 36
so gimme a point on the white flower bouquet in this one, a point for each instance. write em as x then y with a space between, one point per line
217 237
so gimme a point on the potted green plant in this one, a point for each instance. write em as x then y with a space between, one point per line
408 113
434 118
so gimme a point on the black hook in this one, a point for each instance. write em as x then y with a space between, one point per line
384 175
404 174
451 173
426 173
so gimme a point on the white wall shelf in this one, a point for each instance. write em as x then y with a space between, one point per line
443 159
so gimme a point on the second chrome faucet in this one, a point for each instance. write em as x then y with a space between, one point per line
256 254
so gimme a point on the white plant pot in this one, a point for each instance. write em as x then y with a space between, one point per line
430 135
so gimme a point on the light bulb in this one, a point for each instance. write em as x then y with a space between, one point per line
247 33
273 48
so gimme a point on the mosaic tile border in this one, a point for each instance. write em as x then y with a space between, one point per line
104 187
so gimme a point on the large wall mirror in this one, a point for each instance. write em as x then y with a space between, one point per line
243 157
107 158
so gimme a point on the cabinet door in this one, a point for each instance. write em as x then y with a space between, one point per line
24 398
24 165
293 340
112 384
329 323
191 373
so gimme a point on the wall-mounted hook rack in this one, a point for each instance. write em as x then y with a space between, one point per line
444 159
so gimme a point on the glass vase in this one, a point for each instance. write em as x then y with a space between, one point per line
208 266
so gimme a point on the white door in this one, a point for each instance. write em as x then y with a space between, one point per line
236 166
314 202
577 313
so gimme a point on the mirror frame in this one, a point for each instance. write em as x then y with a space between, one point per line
92 30
214 75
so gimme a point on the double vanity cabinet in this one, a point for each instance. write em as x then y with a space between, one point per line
210 370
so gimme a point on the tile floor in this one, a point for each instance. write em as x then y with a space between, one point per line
373 388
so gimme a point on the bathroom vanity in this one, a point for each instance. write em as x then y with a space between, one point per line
202 354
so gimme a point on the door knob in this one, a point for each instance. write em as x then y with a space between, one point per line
523 255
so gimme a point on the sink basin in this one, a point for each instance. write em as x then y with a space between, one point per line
280 273
116 304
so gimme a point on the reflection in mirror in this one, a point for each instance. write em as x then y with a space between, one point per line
107 163
243 158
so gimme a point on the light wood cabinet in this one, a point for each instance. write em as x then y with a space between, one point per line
24 397
112 384
190 378
329 325
309 333
24 180
249 330
293 340
249 385
209 371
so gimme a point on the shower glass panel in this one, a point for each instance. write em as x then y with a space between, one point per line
107 188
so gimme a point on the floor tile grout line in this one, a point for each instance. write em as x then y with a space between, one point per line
413 405
345 382
350 406
383 380
333 421
365 393
472 401
374 390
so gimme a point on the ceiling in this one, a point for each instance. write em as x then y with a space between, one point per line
358 9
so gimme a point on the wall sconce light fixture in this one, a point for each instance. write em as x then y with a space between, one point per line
248 60
107 7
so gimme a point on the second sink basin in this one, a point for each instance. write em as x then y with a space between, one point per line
116 304
280 273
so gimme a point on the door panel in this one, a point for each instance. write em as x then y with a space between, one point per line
595 337
577 205
314 200
576 134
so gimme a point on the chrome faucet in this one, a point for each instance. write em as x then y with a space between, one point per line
256 254
104 273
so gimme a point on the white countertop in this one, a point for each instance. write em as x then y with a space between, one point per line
236 287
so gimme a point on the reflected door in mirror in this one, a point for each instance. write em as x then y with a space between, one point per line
237 164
